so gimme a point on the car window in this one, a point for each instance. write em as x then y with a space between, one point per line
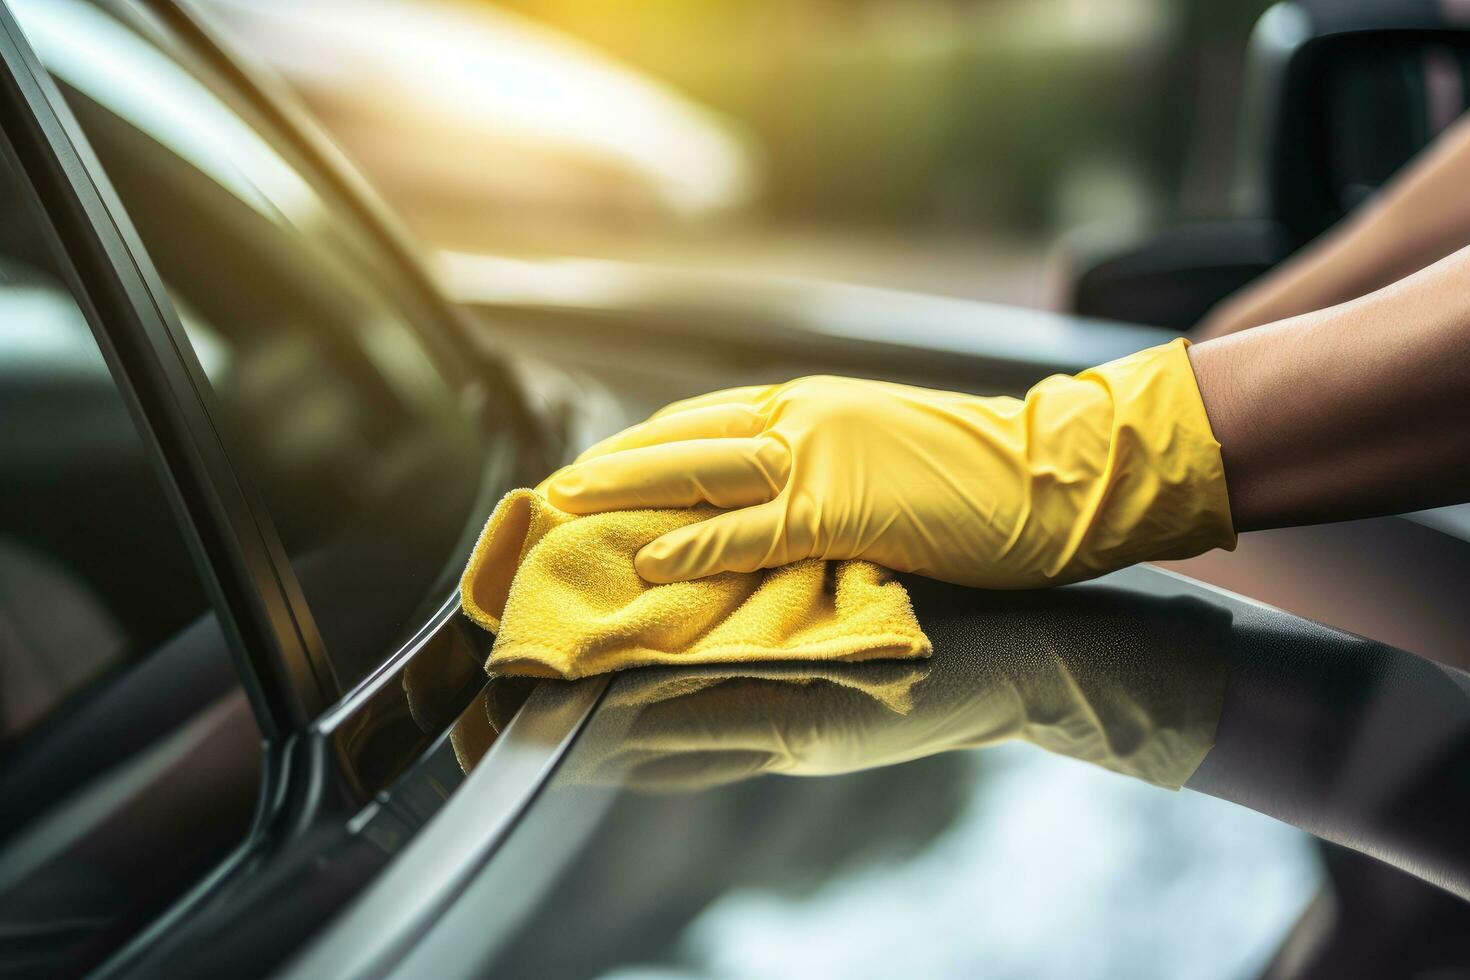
92 569
129 758
358 441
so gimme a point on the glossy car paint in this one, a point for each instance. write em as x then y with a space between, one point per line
613 862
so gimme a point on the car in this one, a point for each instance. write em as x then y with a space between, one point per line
250 435
547 127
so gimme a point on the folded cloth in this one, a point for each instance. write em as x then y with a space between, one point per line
562 596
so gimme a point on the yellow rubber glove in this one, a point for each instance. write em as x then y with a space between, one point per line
1087 474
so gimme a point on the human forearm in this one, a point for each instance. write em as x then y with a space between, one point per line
1420 217
1351 411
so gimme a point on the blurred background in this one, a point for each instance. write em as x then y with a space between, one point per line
940 146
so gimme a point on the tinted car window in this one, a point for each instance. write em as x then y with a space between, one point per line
353 433
129 759
93 571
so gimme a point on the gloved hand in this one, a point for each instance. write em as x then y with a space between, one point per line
1087 474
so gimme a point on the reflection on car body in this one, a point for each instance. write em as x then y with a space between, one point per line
387 811
1142 672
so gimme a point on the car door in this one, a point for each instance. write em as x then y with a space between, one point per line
129 755
322 453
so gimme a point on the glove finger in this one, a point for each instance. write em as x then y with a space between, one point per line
545 484
723 472
708 422
747 395
738 541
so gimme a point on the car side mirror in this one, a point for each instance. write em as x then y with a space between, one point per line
1340 94
1171 279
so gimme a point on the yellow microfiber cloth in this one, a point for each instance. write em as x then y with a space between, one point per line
562 596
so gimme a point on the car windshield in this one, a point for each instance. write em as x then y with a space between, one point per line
358 440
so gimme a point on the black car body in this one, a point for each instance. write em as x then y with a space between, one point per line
248 442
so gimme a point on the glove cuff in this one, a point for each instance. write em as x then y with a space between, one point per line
1165 495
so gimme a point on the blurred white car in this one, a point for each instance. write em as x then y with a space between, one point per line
465 113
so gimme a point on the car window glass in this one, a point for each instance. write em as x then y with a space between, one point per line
129 758
356 438
81 507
